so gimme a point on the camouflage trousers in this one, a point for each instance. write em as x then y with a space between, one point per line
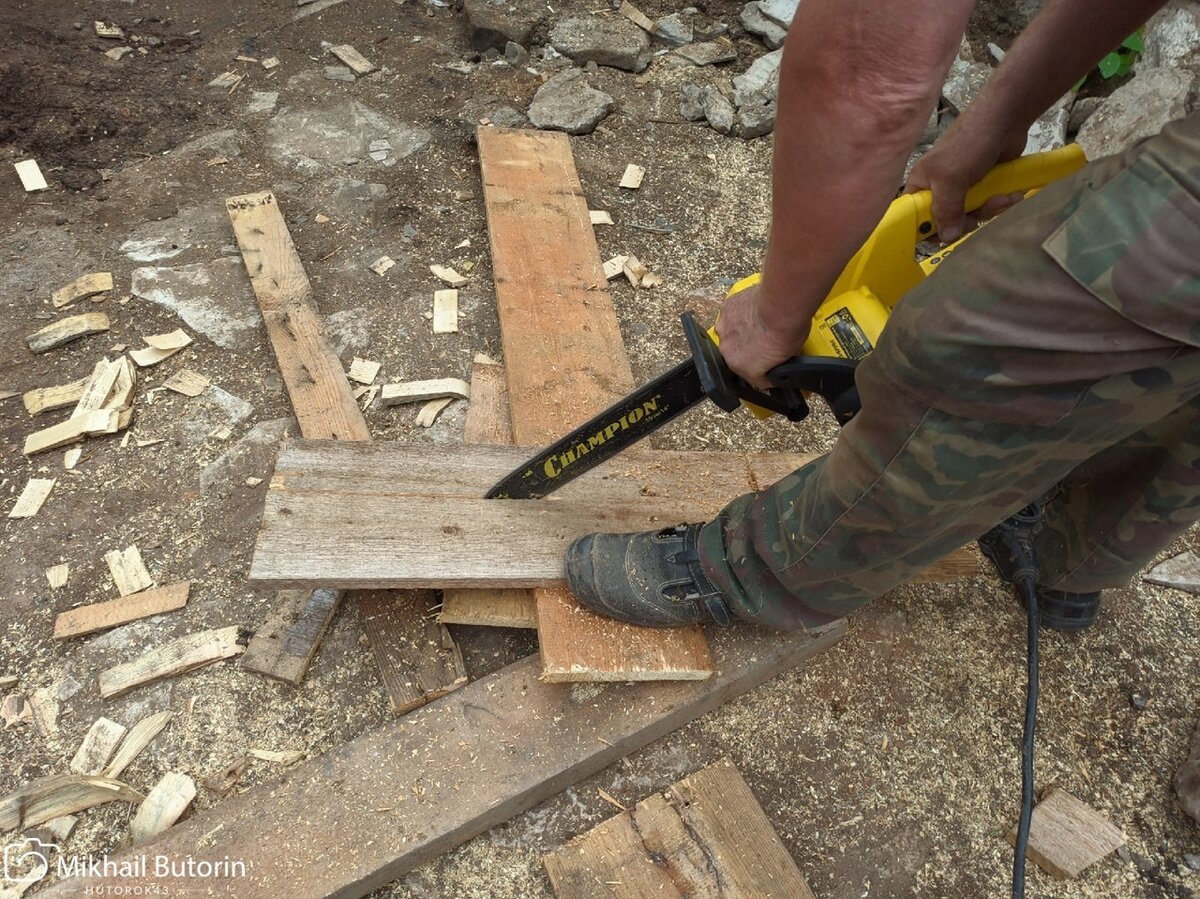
1054 355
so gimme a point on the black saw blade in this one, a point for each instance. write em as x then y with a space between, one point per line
615 429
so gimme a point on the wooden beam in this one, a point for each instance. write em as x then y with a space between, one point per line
565 362
321 399
388 802
704 836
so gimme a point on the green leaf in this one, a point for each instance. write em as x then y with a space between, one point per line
1110 65
1134 42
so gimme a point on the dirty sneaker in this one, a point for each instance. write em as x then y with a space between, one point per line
652 579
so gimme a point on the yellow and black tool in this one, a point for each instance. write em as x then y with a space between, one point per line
845 329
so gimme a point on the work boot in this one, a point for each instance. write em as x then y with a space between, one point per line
652 579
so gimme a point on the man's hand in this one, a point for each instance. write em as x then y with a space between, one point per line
749 345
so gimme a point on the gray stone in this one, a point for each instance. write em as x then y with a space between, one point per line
929 135
339 73
66 687
756 23
216 143
964 82
781 12
210 412
495 24
1172 37
756 121
146 701
1187 779
613 41
706 29
708 53
507 117
310 138
759 83
205 227
1049 132
347 330
1192 860
719 111
213 298
691 103
1081 111
1181 571
251 456
568 103
674 30
262 101
516 55
1139 108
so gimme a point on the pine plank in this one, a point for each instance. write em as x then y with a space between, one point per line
90 424
478 756
99 386
418 659
98 746
565 362
99 616
174 657
139 737
34 494
128 571
321 399
46 399
82 288
705 836
488 422
1066 835
164 804
66 330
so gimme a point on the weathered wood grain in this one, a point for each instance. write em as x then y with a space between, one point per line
174 657
98 616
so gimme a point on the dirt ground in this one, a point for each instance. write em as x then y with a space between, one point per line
889 765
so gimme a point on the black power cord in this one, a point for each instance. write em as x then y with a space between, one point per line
1010 547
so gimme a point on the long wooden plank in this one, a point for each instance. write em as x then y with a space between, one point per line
321 399
385 803
417 657
174 657
410 516
566 362
100 615
488 422
703 836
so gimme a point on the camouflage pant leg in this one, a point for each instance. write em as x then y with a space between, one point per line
994 381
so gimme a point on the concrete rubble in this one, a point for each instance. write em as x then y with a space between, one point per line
568 103
611 41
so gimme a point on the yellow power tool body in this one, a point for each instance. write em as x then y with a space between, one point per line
845 329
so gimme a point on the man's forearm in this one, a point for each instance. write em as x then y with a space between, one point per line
857 84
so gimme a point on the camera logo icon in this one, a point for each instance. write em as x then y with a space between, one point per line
28 860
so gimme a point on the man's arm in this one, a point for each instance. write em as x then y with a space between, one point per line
858 81
1064 42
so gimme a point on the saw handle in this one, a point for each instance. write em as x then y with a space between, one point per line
831 378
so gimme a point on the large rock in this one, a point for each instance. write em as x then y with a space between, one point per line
781 12
719 111
963 82
611 41
311 138
756 121
1181 571
568 103
675 30
1139 108
759 83
1172 37
691 102
755 22
1049 132
495 24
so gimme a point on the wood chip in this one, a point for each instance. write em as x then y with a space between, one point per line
98 746
71 457
128 571
172 658
187 382
57 575
120 398
226 779
652 279
614 266
356 62
148 356
270 62
449 275
139 737
50 797
60 828
45 708
632 179
15 710
445 311
90 424
112 32
30 175
99 387
422 391
174 340
607 797
226 80
116 54
7 681
364 371
366 395
431 410
283 757
46 399
634 271
600 217
381 265
67 329
637 17
36 491
81 288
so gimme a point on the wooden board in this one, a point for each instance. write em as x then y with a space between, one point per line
65 330
565 362
35 493
1066 835
286 642
312 373
174 657
321 399
162 807
98 746
379 806
98 616
488 422
418 659
705 836
81 288
421 391
128 572
45 399
90 424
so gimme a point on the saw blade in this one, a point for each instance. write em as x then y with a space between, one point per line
615 429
